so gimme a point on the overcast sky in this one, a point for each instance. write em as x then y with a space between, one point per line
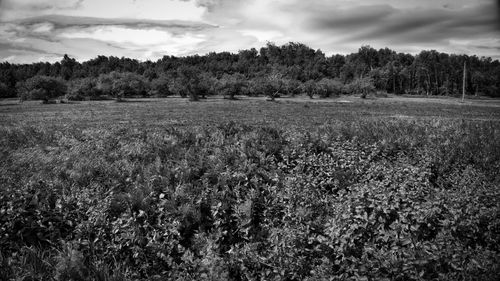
36 30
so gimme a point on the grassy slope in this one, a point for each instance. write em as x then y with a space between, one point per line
294 189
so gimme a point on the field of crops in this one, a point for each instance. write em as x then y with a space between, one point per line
166 189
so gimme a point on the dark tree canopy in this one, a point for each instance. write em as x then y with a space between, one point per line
429 72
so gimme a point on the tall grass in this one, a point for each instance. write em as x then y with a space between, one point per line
240 202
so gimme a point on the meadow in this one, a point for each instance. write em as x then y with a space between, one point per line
296 189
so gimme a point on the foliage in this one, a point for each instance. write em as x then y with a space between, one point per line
329 87
193 83
121 85
160 86
309 88
231 85
273 84
362 199
428 72
5 92
83 88
292 87
360 86
42 88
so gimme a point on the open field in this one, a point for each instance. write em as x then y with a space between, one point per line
339 189
295 112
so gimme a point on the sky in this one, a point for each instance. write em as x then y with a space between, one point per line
36 30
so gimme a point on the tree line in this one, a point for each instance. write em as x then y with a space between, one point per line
290 69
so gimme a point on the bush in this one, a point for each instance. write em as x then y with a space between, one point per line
5 92
42 88
191 82
271 86
360 86
160 87
84 89
309 87
122 85
292 87
255 87
177 87
207 84
329 87
231 85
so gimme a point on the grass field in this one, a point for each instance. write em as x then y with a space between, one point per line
339 189
296 112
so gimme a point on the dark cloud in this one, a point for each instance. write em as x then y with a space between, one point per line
431 25
60 21
498 13
18 47
495 48
13 48
39 6
385 23
348 18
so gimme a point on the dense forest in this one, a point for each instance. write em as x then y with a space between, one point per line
291 69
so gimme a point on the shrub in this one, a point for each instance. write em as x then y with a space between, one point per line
177 87
329 87
42 88
309 87
121 85
270 85
255 87
160 86
5 92
83 89
292 87
207 84
190 81
231 85
360 86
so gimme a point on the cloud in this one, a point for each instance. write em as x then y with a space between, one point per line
143 39
61 21
148 29
146 9
12 9
37 5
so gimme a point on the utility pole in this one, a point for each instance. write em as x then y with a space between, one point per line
463 84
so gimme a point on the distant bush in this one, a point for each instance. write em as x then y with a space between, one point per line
84 89
255 87
43 88
207 85
231 85
309 88
360 86
329 87
121 85
324 88
5 92
177 87
193 83
271 85
160 86
292 87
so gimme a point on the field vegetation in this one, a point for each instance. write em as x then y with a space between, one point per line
166 189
